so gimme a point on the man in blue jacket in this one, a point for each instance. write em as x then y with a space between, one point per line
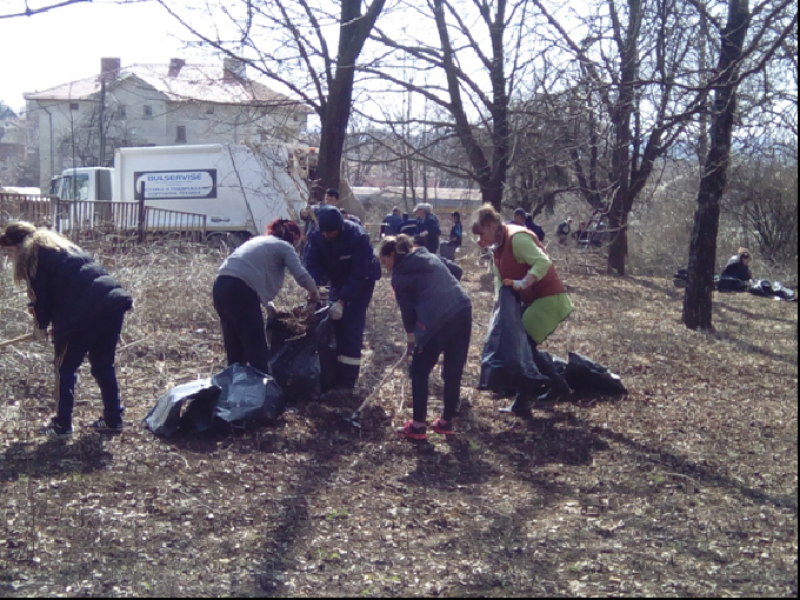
428 226
340 251
392 222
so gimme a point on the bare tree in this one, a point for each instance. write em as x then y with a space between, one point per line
24 8
292 43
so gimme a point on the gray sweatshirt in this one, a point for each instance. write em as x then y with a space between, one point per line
262 262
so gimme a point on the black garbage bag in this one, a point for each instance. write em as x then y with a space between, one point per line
586 376
507 360
296 367
236 397
165 418
326 347
247 395
771 289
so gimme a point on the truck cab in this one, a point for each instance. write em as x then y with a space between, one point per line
90 184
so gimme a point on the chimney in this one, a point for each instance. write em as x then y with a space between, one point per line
233 70
175 66
109 68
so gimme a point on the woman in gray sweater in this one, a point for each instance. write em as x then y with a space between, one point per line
437 316
251 276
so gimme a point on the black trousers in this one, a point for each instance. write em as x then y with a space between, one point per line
452 340
100 343
243 332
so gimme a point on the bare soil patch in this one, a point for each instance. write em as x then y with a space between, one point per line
685 487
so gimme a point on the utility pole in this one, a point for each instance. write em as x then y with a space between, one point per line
102 116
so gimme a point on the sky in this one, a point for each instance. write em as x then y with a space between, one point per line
66 44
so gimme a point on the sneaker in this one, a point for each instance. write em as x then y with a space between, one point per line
443 427
100 426
54 431
410 432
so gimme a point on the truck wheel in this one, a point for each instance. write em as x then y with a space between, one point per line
237 238
218 241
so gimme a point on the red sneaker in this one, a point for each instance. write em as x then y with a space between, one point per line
443 427
410 432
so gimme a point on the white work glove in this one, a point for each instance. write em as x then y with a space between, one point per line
39 334
517 284
337 310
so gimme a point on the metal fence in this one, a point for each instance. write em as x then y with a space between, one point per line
82 219
37 209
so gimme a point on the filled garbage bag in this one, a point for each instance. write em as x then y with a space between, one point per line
586 376
771 289
247 395
507 359
296 368
236 397
164 419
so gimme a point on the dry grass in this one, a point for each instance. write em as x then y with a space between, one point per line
687 486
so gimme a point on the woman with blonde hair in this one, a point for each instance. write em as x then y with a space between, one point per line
521 262
437 317
85 306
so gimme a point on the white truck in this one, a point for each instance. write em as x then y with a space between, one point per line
229 190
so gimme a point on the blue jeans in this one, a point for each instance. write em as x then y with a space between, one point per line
100 343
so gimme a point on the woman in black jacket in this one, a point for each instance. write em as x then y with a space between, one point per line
86 308
736 276
437 316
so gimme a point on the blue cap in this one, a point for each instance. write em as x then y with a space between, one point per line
329 218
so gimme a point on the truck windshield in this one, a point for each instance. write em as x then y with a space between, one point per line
75 187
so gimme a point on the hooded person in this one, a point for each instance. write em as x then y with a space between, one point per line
340 251
84 305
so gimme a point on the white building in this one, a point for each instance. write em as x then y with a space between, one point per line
82 122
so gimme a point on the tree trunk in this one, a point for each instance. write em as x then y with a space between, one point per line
697 301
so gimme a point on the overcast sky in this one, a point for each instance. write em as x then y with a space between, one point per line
66 44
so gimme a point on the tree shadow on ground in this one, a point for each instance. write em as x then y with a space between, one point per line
750 315
686 467
43 458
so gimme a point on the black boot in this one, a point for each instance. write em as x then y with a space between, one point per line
520 407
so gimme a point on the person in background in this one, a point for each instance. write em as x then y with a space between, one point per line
457 230
428 226
309 213
437 317
520 262
392 222
563 231
86 308
736 276
251 277
518 218
534 227
340 251
580 235
409 226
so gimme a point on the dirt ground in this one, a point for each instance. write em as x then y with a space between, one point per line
687 486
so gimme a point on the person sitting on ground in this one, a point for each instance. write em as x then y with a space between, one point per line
736 276
251 277
86 308
428 226
521 262
581 235
392 222
437 317
563 231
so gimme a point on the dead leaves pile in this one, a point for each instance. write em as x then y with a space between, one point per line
687 486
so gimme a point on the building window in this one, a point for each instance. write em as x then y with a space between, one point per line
73 106
147 111
209 110
122 112
180 133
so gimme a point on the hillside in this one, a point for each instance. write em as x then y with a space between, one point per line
687 486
